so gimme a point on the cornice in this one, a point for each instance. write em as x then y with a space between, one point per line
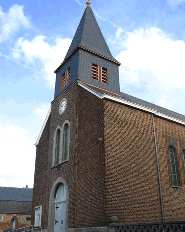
87 50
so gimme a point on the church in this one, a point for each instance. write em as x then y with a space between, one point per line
104 157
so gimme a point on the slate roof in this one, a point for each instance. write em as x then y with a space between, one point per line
153 106
138 101
15 207
88 35
16 194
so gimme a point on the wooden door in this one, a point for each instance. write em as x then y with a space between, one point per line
60 209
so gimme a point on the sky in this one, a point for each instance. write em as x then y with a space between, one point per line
146 37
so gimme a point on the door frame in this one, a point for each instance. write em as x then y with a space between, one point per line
51 211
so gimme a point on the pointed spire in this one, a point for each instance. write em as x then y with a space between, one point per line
89 36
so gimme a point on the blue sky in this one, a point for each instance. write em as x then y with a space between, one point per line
147 37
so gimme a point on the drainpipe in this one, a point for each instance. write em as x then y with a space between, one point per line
159 178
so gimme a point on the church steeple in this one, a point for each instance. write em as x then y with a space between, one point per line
88 58
88 35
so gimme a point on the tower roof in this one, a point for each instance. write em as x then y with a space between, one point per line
89 36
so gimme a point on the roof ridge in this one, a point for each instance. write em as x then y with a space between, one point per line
153 104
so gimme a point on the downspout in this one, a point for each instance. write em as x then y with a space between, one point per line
158 170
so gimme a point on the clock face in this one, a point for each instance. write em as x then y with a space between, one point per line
62 106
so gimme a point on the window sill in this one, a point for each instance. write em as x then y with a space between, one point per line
57 165
175 186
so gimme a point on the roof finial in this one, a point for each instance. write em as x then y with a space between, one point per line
88 3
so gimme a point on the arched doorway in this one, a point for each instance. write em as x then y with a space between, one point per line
52 203
13 223
60 209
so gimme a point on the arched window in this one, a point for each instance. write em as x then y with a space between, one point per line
61 143
174 166
65 149
57 146
183 157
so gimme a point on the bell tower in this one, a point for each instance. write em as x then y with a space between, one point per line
88 59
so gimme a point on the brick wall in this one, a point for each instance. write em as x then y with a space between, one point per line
169 133
84 171
67 169
132 190
5 224
90 182
112 167
41 175
45 179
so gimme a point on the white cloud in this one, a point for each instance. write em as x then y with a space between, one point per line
119 32
17 160
78 2
154 51
12 21
174 2
39 50
113 24
42 111
153 57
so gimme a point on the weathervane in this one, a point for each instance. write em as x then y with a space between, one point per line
88 3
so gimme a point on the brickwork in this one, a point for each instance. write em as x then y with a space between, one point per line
65 170
90 201
169 133
5 224
132 191
112 167
84 171
41 174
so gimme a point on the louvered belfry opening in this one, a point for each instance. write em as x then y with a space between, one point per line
95 71
103 75
63 80
68 75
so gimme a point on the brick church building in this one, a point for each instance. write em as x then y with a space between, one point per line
103 153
